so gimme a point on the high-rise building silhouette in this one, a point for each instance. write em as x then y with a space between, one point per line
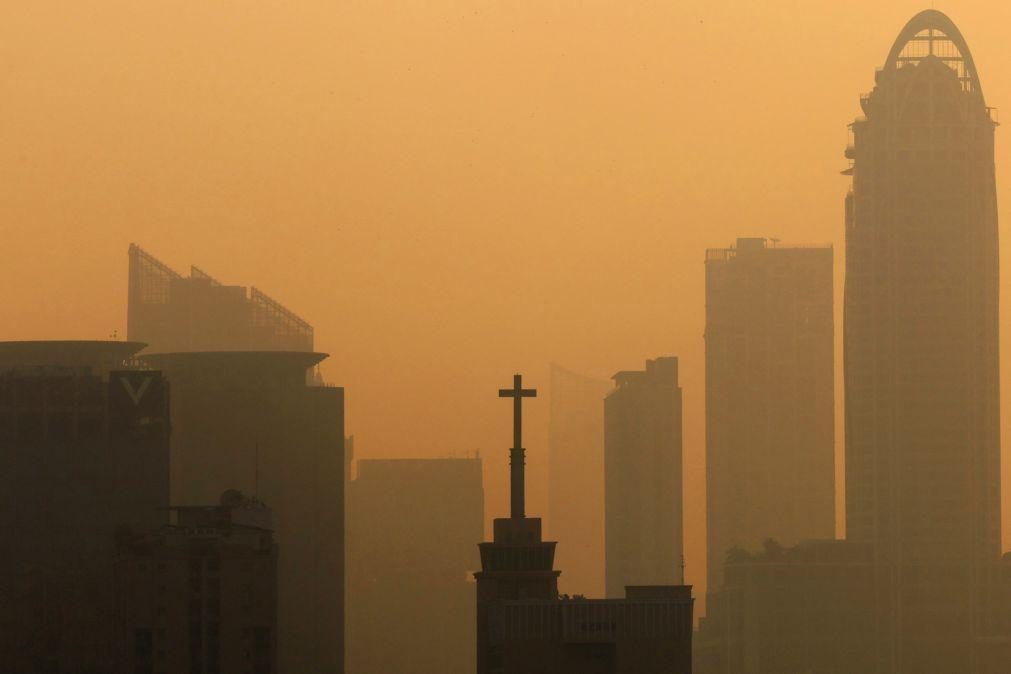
84 450
770 442
643 519
576 478
247 420
921 348
524 627
200 593
412 524
171 312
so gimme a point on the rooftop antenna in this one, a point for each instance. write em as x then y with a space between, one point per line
256 472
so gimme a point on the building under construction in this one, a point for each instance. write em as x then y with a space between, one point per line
173 313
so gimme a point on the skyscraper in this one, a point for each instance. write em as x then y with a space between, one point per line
576 478
247 419
770 441
642 478
412 524
84 450
921 361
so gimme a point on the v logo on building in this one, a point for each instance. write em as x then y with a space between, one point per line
138 393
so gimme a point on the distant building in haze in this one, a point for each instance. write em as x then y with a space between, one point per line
171 312
807 608
412 524
921 347
525 627
994 638
200 593
770 417
576 478
248 420
643 478
84 450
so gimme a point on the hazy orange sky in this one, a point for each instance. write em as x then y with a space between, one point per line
449 191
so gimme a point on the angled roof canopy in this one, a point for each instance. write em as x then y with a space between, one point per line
932 33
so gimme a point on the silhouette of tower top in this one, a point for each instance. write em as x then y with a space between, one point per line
931 34
517 453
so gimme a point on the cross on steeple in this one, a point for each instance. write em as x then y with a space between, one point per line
516 454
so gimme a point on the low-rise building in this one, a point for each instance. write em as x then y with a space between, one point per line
200 594
807 608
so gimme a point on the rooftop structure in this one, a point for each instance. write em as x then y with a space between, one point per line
199 313
49 356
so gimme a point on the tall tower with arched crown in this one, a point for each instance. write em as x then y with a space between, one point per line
921 348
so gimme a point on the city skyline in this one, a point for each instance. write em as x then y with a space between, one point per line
138 191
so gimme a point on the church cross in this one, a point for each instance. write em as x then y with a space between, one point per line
516 454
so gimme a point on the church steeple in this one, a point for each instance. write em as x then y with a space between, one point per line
517 455
517 564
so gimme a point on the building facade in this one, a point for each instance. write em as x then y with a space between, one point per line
921 348
576 478
643 520
84 445
412 524
770 417
248 420
806 608
200 593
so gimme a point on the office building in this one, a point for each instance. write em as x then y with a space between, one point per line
805 608
84 445
576 478
247 420
921 348
642 478
412 524
200 593
770 417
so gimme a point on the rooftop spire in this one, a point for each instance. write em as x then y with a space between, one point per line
516 454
